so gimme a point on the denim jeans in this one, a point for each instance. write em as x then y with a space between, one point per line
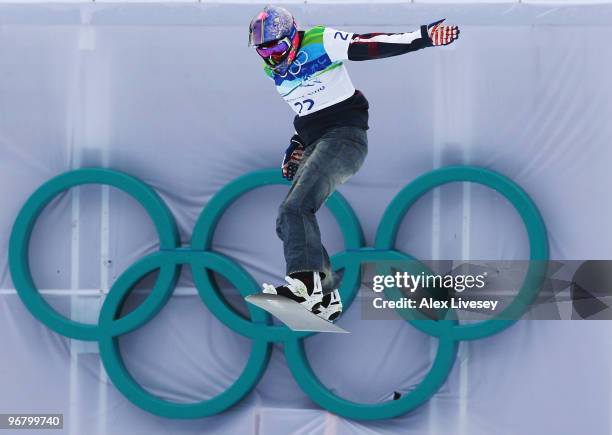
327 163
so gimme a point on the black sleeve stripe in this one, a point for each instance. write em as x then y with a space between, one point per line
380 45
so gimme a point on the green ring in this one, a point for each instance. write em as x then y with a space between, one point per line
536 231
24 224
109 347
312 386
206 225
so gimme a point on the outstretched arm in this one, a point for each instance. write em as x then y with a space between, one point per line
369 46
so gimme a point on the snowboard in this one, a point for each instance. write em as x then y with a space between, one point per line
292 314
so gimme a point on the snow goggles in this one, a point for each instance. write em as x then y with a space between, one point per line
274 52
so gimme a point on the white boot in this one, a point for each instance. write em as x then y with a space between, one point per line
296 290
330 307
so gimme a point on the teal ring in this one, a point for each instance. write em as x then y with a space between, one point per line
110 353
209 218
536 231
24 224
308 381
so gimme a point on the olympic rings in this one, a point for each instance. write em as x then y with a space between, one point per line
259 328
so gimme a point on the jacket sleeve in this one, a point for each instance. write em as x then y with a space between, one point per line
368 46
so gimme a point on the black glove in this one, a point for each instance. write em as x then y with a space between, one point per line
293 157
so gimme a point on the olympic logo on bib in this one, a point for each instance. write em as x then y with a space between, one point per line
259 327
297 62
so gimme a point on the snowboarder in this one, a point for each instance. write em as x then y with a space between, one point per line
330 141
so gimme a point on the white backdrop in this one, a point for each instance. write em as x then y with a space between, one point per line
171 94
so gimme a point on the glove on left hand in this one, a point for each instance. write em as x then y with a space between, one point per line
293 157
